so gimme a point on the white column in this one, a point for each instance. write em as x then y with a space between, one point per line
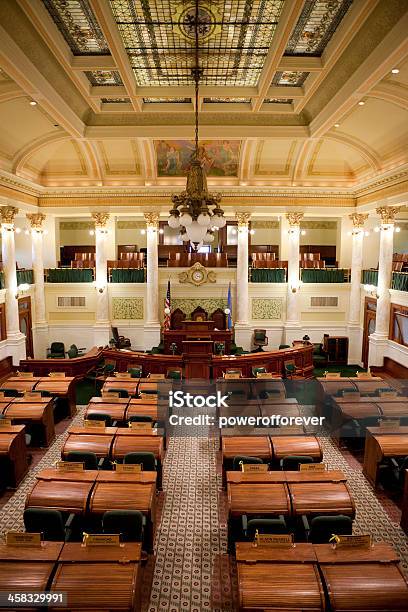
293 330
40 326
243 331
102 327
379 339
152 324
354 327
15 339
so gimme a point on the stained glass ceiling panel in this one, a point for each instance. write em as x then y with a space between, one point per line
234 38
316 25
78 25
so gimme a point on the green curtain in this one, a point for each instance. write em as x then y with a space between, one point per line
369 277
325 275
268 275
25 276
400 281
68 275
127 275
1 280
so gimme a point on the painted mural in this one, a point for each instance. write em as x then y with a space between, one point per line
220 157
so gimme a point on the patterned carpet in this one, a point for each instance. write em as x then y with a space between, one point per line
192 570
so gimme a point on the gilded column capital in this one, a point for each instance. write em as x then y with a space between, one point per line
7 214
36 220
152 220
243 218
387 214
358 219
100 219
294 218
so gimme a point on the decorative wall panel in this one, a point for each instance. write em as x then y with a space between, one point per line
127 308
187 305
267 309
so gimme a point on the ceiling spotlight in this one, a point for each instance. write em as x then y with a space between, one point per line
361 103
33 103
395 71
337 125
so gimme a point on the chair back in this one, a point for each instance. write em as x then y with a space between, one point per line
322 528
265 525
128 523
90 460
145 459
47 521
291 463
238 460
96 416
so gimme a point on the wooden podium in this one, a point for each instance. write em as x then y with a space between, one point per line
197 355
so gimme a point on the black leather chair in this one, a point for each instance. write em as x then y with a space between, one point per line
291 463
49 522
90 460
120 341
128 523
147 460
322 528
239 459
56 351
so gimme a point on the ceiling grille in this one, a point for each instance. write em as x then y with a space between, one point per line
234 39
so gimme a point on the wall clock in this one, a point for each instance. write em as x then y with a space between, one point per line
197 275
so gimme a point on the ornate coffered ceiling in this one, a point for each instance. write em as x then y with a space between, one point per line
279 102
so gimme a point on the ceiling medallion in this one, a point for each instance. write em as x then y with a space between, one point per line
208 22
197 275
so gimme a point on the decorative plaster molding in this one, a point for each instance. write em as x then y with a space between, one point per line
294 218
358 219
387 214
36 220
152 219
100 219
197 275
243 219
7 214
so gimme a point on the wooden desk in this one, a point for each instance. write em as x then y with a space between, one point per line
381 443
149 387
119 477
127 442
145 406
296 445
253 446
28 411
116 410
20 383
96 440
129 384
13 455
27 568
283 476
287 410
316 498
126 496
57 494
268 499
393 410
60 387
100 578
50 474
279 579
366 580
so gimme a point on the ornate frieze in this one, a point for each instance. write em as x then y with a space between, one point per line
127 308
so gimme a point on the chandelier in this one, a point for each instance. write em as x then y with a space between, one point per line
196 211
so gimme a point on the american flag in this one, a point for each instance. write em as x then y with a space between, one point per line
167 309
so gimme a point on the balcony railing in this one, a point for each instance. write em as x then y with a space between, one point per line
268 275
69 275
400 281
369 277
324 275
25 277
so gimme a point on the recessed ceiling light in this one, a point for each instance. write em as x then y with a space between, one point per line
395 71
337 125
361 103
33 103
